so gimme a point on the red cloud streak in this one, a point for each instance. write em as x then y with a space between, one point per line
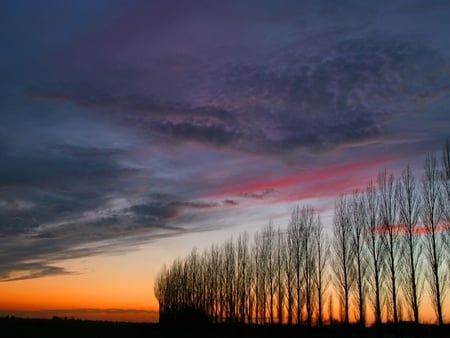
321 182
401 229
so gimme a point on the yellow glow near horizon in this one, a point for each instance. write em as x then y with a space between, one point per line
122 282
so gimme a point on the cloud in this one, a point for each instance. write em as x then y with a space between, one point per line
323 182
35 271
258 194
67 227
78 151
231 202
216 135
61 226
338 95
196 204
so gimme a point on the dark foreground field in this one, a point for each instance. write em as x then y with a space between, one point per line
17 327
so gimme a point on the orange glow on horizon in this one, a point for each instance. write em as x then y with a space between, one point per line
116 288
98 295
64 296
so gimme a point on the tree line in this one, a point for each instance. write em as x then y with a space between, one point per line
388 248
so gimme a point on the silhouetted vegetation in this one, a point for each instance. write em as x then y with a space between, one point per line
374 261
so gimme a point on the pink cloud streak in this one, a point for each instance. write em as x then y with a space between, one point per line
325 182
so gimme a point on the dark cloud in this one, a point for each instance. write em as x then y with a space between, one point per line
344 95
230 202
75 150
37 271
215 135
340 94
25 258
65 231
154 213
258 195
197 204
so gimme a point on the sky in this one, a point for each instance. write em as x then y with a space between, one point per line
132 131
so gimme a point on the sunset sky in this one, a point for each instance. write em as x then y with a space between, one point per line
132 131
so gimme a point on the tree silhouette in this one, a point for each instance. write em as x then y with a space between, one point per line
281 275
279 278
408 203
289 271
389 232
375 250
321 276
243 274
295 232
432 213
358 243
343 255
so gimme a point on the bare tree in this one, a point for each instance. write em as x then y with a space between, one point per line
375 250
176 286
330 310
216 285
229 273
321 277
446 184
289 271
308 220
357 217
295 232
260 279
242 275
279 267
432 214
208 280
446 167
389 231
269 255
160 290
409 208
191 272
251 296
343 255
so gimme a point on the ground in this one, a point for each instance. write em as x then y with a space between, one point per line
56 327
